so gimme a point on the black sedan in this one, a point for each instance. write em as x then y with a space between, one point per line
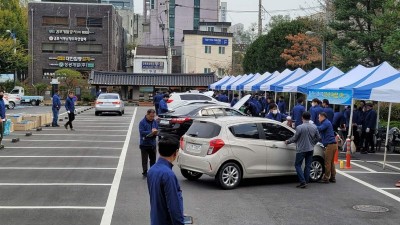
177 122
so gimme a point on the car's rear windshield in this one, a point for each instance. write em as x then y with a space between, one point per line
186 110
108 97
203 129
195 97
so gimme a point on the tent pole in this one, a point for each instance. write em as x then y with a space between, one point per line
387 135
306 102
290 101
351 119
377 118
276 95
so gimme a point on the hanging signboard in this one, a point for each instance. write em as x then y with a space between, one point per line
153 65
71 32
335 97
215 41
72 65
72 58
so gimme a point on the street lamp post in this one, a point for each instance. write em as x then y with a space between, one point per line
14 37
323 63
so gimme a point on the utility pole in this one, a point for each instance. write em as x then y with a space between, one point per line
260 8
169 59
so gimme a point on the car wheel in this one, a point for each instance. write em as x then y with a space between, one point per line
97 113
317 169
11 105
33 102
229 176
123 111
191 175
119 113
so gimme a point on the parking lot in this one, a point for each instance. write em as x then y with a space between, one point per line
93 176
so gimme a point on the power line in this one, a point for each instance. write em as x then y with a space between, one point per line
252 11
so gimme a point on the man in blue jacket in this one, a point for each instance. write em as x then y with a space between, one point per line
298 111
234 100
2 119
156 100
282 105
163 107
166 201
329 141
274 114
56 108
328 110
315 110
223 98
148 129
368 128
70 107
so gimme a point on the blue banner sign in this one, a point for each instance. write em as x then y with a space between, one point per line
153 65
335 97
215 41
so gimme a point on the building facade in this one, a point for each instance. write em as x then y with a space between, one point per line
208 49
120 4
78 36
150 60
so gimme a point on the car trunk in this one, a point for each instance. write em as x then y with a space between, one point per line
198 140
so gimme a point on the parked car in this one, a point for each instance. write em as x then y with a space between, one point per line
178 99
234 148
11 100
109 102
178 121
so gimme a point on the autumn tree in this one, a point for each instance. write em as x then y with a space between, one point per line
70 79
304 52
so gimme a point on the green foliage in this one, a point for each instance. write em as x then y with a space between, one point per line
8 86
362 28
87 97
41 88
70 79
384 112
10 60
14 17
264 54
276 20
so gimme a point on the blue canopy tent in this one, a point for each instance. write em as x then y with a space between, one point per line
256 86
283 78
240 87
231 81
225 78
328 76
244 79
218 86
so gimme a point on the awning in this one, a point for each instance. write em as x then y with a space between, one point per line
143 79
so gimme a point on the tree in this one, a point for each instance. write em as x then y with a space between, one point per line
304 52
41 88
276 20
10 61
14 17
362 32
264 54
70 79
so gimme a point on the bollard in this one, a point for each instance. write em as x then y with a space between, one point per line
28 134
348 153
14 140
341 164
47 125
39 129
337 151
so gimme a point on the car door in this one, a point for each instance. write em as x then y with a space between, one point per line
248 147
280 157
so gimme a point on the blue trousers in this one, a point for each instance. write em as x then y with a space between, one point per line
304 177
55 117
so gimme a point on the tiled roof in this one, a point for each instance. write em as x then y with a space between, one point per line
167 80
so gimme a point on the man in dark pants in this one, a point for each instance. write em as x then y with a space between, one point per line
369 127
156 100
2 119
148 129
298 111
56 108
329 141
70 107
305 138
166 201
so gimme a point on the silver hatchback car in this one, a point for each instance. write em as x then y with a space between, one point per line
233 148
109 102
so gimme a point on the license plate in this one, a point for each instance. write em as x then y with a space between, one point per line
107 103
164 122
193 148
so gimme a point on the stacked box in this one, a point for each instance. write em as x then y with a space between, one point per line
12 127
34 118
15 118
24 125
49 118
43 120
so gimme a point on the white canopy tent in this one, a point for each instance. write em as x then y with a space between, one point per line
241 86
279 77
224 79
329 75
231 81
283 78
244 79
249 86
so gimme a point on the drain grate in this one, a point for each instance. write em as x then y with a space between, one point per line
371 208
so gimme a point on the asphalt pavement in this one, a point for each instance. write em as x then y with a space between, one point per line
93 176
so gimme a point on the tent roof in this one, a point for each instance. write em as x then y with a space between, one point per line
231 81
292 86
386 90
249 86
225 78
241 86
244 79
286 75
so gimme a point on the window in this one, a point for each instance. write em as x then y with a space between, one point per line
201 129
54 48
55 21
232 112
89 22
152 4
224 30
207 112
249 130
221 50
89 49
274 132
173 52
221 71
210 29
207 70
207 49
196 15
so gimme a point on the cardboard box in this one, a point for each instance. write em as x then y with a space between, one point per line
33 118
43 120
15 119
49 118
23 126
12 127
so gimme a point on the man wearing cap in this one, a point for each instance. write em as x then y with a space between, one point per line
329 141
369 126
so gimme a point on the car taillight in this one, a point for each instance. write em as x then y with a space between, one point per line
18 99
182 143
116 103
215 146
180 120
99 103
170 100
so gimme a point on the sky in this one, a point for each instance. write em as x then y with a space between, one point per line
304 7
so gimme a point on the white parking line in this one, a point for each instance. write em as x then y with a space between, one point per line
365 172
82 135
396 188
382 162
55 168
112 197
392 196
53 184
66 147
363 167
77 126
52 207
56 156
97 141
391 166
79 130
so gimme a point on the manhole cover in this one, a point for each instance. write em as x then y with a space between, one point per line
371 208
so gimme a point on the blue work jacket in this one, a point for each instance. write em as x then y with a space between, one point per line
327 133
163 107
315 111
145 127
56 102
298 111
69 105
